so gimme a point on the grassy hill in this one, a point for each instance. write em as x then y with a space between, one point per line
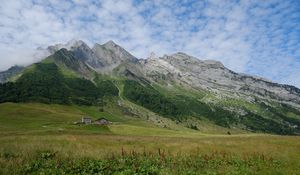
36 138
23 118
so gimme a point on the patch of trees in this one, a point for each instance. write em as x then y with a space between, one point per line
148 97
82 91
46 84
192 107
258 123
42 84
106 87
280 113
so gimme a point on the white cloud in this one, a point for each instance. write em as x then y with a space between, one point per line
257 37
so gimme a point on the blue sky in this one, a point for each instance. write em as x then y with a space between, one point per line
259 37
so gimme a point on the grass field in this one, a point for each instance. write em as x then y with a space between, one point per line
42 139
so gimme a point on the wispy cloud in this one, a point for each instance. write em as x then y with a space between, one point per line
256 37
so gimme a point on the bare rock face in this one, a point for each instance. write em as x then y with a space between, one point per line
214 76
179 68
111 55
102 58
80 50
69 60
87 55
69 46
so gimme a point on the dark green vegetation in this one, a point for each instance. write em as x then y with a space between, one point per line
258 123
106 87
192 107
45 83
150 98
179 107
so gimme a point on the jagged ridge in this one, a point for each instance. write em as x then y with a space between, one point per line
214 85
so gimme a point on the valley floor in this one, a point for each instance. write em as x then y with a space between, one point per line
38 138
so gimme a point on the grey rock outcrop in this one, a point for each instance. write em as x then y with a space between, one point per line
214 76
112 55
102 58
179 68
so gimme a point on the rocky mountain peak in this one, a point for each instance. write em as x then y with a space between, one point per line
79 45
71 45
181 54
75 43
112 54
110 44
152 56
102 58
181 57
214 64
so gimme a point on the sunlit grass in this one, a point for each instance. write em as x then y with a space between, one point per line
23 148
26 130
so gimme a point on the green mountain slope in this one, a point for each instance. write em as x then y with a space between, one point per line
45 83
65 78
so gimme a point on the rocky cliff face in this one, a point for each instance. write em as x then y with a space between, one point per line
102 58
112 55
213 76
178 68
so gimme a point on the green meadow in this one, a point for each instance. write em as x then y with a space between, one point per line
43 139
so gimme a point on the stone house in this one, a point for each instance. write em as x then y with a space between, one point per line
86 120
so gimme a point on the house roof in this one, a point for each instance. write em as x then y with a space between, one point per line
102 118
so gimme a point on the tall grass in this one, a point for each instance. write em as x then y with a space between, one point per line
56 153
145 162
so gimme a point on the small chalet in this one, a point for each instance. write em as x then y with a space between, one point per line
86 120
101 121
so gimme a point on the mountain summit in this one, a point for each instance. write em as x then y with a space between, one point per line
177 86
112 55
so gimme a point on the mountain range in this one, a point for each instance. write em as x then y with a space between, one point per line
178 88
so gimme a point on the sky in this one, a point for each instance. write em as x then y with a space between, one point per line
257 37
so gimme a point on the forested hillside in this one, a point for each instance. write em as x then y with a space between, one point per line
46 84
